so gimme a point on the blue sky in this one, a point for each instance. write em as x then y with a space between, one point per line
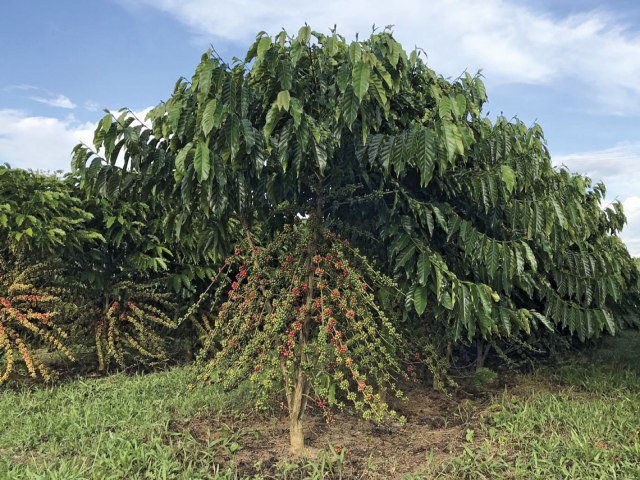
572 66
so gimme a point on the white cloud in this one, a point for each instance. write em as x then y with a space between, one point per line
632 208
42 95
22 87
510 42
41 143
91 106
60 101
631 233
618 167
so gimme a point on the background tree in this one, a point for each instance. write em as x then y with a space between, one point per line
40 218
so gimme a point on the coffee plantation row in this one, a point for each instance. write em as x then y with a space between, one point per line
324 219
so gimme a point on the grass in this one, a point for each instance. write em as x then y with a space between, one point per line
579 419
112 428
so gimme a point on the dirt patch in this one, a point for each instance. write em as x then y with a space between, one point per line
435 430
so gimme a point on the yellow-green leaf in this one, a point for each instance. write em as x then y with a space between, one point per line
180 159
283 99
208 116
508 177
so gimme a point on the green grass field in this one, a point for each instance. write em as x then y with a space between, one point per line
577 419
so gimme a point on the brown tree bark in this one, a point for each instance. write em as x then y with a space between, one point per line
297 405
482 351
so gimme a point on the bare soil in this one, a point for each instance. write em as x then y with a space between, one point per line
435 430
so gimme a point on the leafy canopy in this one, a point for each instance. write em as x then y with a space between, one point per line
486 238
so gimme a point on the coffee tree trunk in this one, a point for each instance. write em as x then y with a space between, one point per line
297 400
482 351
297 405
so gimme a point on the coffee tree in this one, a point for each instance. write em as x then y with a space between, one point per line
265 147
40 220
306 325
128 307
89 266
486 240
